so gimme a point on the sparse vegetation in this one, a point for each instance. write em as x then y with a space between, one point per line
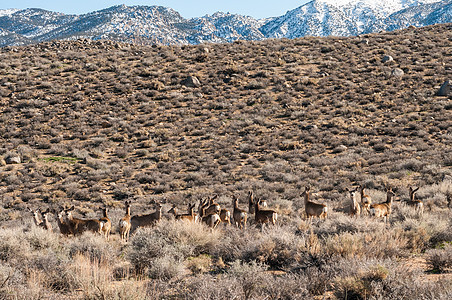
97 125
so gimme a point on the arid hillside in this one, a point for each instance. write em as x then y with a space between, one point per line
95 123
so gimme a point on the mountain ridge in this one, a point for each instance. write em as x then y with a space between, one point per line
163 25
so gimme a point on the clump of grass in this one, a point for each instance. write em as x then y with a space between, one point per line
440 259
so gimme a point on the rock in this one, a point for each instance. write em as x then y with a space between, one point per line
365 41
387 58
445 89
340 148
397 72
13 159
191 81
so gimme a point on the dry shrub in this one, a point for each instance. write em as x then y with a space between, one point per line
199 264
440 259
161 251
93 246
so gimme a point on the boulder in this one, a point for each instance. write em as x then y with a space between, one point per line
445 89
397 72
191 81
387 58
13 159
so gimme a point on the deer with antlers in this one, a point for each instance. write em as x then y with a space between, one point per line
124 224
366 201
313 209
78 226
105 224
383 210
355 208
148 219
418 204
239 215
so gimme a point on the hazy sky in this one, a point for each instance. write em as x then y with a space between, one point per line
187 8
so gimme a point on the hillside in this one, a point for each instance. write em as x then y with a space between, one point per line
93 123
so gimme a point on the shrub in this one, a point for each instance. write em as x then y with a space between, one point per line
440 259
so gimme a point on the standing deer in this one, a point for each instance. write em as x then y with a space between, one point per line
238 214
251 203
124 224
418 204
383 210
225 216
148 219
105 224
366 201
63 224
78 226
355 208
262 216
313 209
36 218
46 223
191 216
212 220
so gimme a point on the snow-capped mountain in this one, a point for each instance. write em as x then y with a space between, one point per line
156 24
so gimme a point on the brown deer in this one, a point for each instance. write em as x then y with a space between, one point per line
355 208
262 216
418 204
212 220
239 215
63 225
46 223
313 209
251 203
383 210
225 216
366 201
148 219
191 216
124 224
105 223
36 218
78 226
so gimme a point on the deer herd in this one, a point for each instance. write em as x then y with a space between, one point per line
211 213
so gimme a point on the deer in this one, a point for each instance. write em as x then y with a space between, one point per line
105 224
124 224
63 225
251 202
212 220
148 219
191 216
263 216
383 210
46 223
225 216
418 204
366 201
239 215
36 218
313 209
355 208
78 226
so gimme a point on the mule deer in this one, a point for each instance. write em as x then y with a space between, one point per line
63 225
36 218
124 224
366 201
355 208
212 220
46 223
313 209
225 216
383 210
238 214
264 216
148 219
105 224
418 204
251 202
188 217
78 226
